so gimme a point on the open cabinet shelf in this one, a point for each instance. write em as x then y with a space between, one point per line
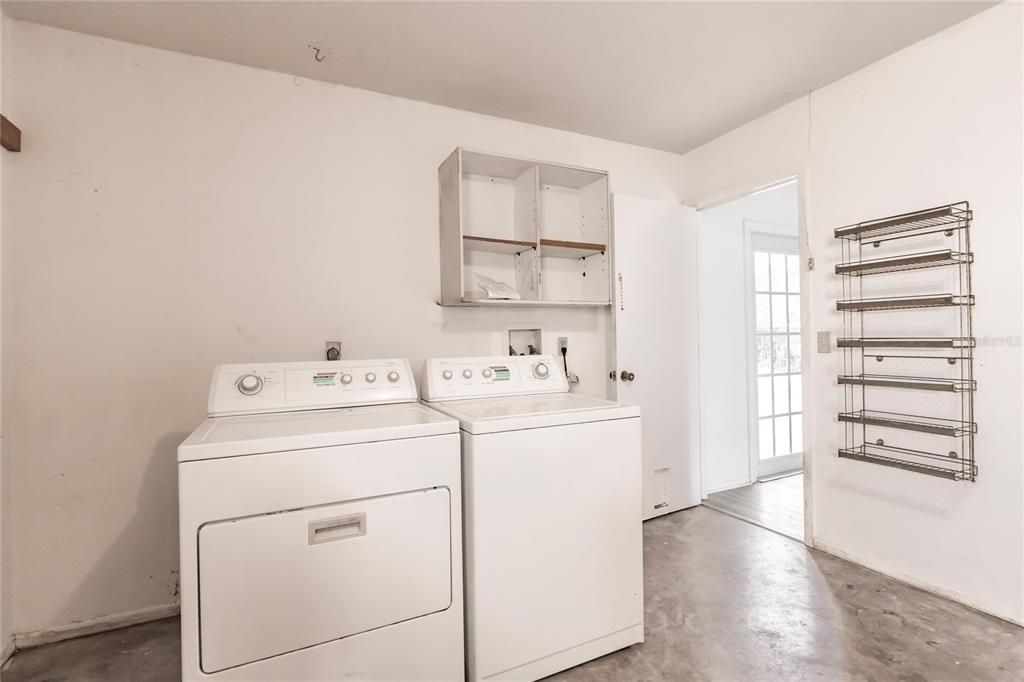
556 248
492 245
541 229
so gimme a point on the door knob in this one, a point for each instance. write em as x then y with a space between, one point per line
627 376
611 375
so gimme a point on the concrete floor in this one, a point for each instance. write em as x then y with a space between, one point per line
725 600
777 505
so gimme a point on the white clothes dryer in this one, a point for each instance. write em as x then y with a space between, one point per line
320 508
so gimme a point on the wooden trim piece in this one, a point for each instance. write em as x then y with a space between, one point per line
10 135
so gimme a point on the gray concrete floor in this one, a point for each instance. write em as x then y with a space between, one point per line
725 600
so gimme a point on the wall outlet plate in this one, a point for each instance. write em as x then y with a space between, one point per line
563 343
824 342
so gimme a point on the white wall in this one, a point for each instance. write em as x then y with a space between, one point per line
723 329
937 122
170 213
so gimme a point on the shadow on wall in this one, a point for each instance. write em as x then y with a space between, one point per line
156 509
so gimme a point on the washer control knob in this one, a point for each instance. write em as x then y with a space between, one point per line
467 373
541 371
370 377
446 375
393 377
487 373
346 379
250 384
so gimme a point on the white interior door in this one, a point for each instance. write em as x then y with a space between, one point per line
656 343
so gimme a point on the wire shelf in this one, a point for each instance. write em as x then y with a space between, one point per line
952 428
905 302
928 221
915 383
907 342
903 263
951 405
951 466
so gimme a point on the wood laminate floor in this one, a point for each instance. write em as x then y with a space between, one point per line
776 505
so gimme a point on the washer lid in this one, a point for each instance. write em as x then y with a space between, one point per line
492 415
255 434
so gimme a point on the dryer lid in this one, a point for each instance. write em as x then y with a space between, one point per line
255 434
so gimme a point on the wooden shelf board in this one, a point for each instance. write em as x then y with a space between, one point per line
505 303
558 248
494 245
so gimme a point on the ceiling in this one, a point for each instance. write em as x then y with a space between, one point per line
664 75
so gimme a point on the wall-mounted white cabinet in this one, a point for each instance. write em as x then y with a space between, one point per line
541 228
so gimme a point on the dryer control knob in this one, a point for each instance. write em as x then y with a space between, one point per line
541 371
346 379
250 384
447 374
467 373
487 373
370 377
393 377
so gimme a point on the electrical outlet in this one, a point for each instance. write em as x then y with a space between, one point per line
332 350
824 342
563 343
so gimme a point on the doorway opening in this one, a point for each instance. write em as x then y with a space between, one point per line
752 411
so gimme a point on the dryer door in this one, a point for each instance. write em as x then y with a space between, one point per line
279 582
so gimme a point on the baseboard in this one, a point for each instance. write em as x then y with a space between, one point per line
6 651
918 584
92 626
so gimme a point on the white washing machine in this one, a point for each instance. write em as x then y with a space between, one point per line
552 505
320 508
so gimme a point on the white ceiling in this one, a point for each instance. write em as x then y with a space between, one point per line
665 75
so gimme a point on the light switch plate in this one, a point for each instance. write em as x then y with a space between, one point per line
824 342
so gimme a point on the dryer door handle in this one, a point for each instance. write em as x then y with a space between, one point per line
337 528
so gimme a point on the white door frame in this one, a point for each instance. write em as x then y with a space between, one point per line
807 346
750 229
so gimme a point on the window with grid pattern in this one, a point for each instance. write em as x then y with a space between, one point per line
777 353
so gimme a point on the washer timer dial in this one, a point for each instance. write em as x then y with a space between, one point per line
250 384
541 371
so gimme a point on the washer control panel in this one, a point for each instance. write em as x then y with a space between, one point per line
262 387
460 378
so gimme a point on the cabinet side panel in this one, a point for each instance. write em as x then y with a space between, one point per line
527 275
594 212
449 180
527 187
595 219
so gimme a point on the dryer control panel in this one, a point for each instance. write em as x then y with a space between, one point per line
486 377
261 387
